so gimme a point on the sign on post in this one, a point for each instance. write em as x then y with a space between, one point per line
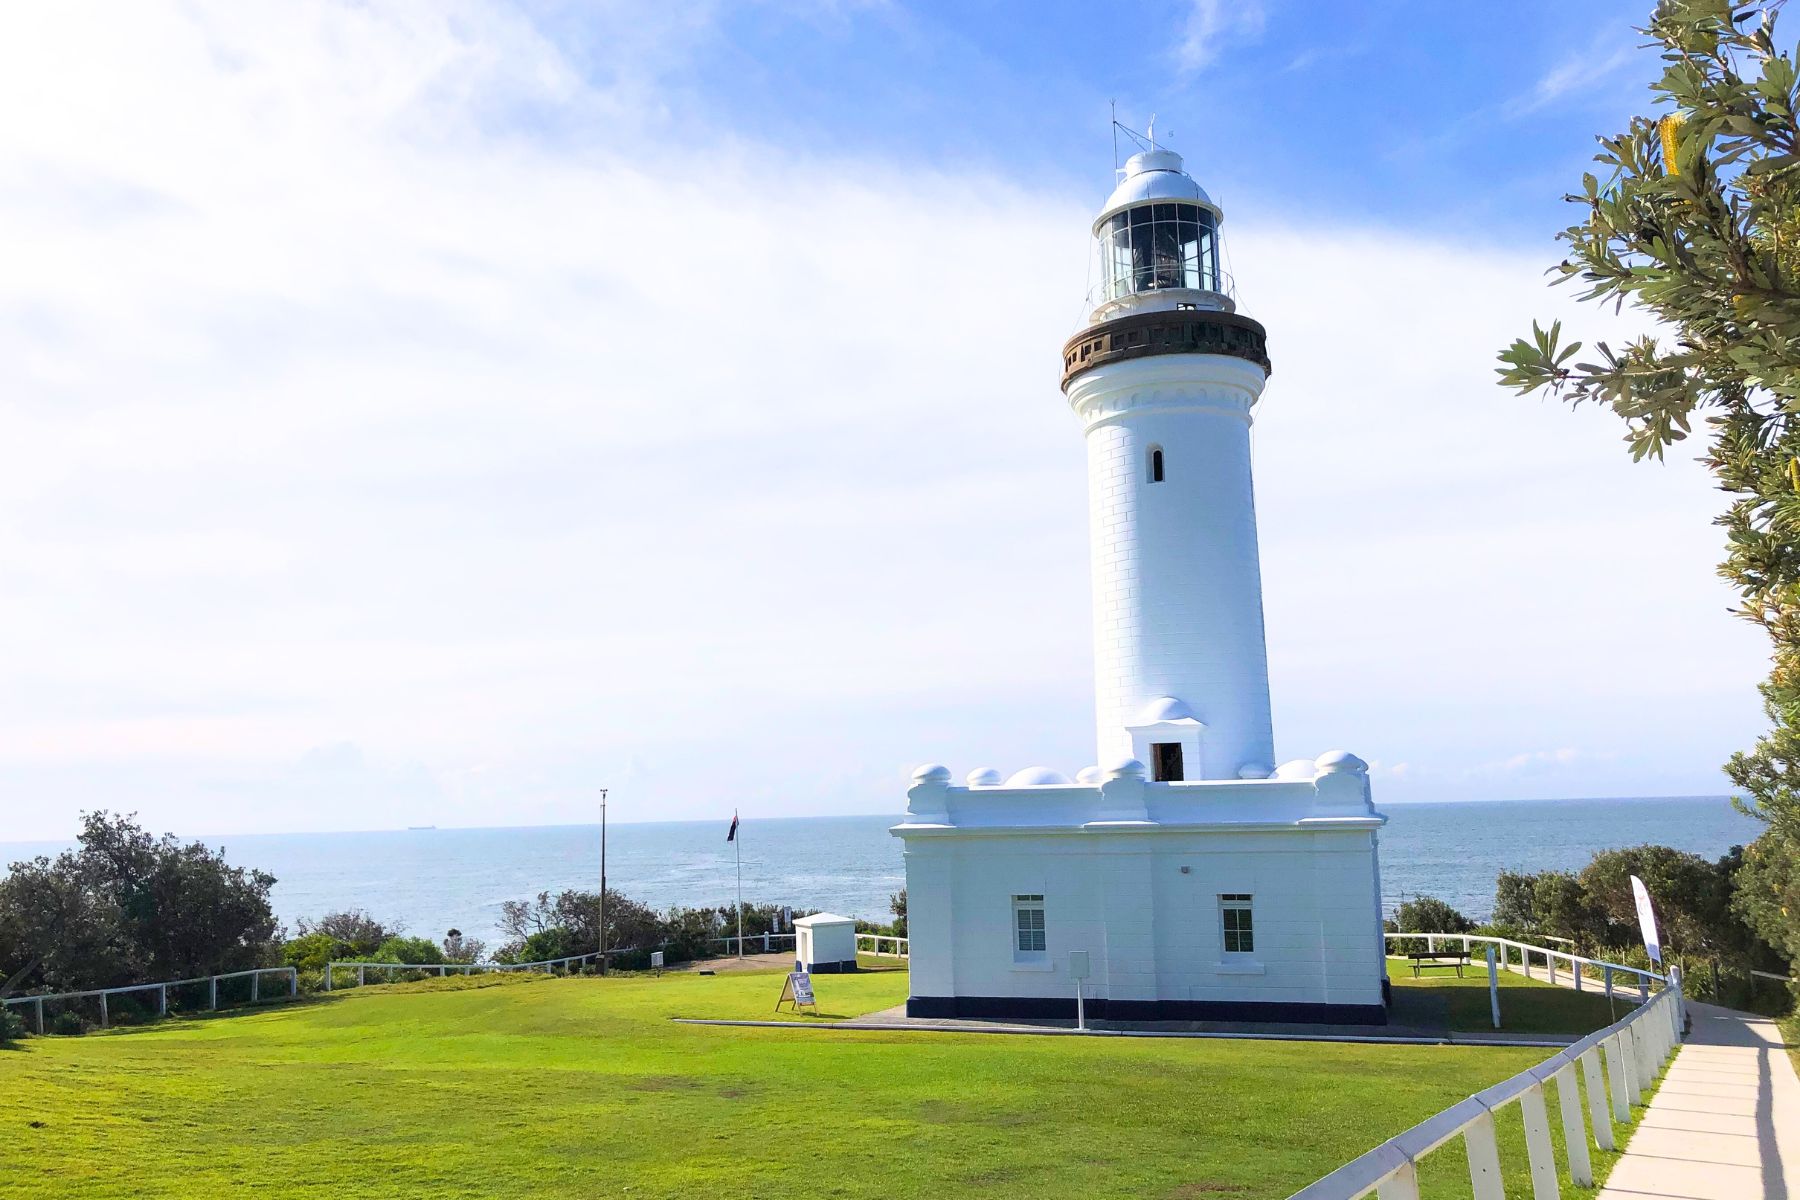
1079 970
796 989
1493 985
1646 915
656 960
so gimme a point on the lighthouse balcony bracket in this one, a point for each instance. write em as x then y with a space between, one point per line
1181 331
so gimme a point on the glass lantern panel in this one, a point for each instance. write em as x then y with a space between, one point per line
1209 255
1165 264
1143 255
1119 263
1192 272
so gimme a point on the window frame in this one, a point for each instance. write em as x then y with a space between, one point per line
1023 903
1156 465
1237 938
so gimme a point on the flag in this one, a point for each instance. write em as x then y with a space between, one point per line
731 834
1646 914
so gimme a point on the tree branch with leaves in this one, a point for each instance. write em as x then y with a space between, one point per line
1692 220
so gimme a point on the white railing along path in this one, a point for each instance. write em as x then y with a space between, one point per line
902 947
1616 1065
548 965
768 941
162 992
1577 967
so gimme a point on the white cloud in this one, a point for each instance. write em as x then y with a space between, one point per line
1213 26
371 383
1574 75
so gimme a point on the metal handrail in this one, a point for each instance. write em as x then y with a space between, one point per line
1102 292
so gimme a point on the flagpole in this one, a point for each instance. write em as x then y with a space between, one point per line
603 792
739 843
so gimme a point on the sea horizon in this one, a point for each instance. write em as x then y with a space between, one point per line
430 880
1380 806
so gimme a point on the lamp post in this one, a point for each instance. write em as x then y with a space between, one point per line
603 792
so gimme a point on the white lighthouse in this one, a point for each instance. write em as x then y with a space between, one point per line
1164 378
1185 877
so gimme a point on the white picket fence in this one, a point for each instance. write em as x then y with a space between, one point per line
1576 969
1617 1066
902 947
162 992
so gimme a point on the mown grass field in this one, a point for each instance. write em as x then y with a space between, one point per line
1526 1005
526 1086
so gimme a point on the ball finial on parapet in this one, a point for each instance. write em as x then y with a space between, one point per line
931 773
1340 762
1127 768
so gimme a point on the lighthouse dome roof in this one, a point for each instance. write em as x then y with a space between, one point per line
1153 176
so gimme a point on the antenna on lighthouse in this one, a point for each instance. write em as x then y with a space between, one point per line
1113 105
1150 131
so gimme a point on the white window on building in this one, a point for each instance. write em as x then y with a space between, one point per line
1028 929
1239 933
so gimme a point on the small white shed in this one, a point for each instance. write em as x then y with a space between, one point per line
825 942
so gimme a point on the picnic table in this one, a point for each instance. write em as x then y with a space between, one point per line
1439 958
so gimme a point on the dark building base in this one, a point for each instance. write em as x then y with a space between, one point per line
828 968
1049 1008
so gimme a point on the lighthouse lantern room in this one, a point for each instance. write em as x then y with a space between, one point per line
1198 880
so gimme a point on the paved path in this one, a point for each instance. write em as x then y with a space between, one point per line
730 963
1725 1125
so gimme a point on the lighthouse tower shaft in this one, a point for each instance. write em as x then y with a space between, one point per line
1164 378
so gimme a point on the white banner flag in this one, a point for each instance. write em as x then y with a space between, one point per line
1647 920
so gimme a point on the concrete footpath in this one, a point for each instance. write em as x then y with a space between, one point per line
1725 1125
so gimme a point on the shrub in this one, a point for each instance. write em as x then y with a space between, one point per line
460 948
126 906
407 950
311 951
547 944
355 928
1428 914
68 1024
12 1026
308 982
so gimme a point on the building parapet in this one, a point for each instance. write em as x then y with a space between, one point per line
1330 792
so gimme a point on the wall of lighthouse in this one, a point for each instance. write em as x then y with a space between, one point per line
1176 574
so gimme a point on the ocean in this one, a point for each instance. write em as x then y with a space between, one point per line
433 880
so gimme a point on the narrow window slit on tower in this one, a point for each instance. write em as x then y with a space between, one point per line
1156 467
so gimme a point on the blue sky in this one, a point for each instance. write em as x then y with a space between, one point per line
432 412
1378 112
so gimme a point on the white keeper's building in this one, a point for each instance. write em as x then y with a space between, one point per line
1202 881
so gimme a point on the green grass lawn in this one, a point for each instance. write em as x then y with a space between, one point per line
526 1086
1526 1005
